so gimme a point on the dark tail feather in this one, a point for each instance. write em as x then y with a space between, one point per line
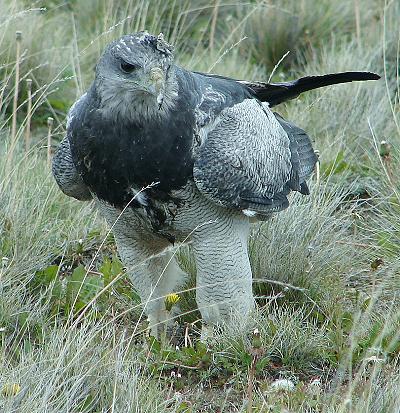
275 93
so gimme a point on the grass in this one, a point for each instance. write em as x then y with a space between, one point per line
326 270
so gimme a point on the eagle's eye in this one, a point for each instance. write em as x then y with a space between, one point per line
127 67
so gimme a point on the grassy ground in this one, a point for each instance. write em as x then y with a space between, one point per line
327 270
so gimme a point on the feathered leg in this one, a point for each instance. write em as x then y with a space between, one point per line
150 265
155 274
224 278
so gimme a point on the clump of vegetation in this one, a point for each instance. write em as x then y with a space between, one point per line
325 334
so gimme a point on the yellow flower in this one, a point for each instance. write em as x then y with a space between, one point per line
171 300
11 389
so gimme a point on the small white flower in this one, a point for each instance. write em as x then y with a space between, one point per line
315 386
316 383
375 359
347 403
283 384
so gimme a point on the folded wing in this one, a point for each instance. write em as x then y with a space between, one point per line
252 159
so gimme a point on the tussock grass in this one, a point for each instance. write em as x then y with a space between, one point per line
326 270
81 370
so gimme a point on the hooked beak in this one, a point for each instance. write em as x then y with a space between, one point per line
157 84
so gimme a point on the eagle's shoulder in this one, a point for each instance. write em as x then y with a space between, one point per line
217 93
76 109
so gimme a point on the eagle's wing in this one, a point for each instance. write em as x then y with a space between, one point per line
252 159
63 168
303 157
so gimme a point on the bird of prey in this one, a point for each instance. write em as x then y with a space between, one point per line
170 155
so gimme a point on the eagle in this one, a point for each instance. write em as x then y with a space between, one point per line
172 156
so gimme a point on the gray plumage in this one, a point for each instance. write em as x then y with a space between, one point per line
66 175
243 170
187 156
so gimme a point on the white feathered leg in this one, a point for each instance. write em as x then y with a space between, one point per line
224 278
154 277
149 262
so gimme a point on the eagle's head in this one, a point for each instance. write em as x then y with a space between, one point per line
135 76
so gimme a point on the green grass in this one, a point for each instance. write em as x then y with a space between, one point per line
327 270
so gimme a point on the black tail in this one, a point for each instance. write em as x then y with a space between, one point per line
275 93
